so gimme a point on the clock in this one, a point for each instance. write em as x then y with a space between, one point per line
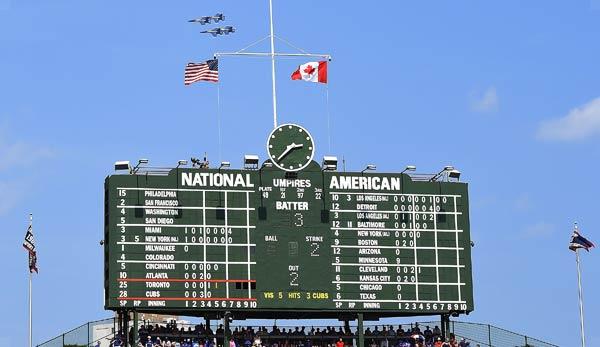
290 147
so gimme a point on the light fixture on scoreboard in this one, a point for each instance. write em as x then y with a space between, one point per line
454 174
442 174
224 165
250 162
137 167
370 167
409 168
329 163
181 162
123 165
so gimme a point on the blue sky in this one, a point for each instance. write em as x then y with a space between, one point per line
508 92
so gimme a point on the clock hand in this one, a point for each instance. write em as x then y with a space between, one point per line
287 150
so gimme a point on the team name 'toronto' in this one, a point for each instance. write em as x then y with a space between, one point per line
213 179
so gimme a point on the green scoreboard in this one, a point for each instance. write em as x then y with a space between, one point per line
288 239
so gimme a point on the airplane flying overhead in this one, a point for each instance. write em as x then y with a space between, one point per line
208 19
218 17
226 30
201 20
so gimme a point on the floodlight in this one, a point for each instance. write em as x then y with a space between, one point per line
370 167
329 163
122 165
140 162
250 161
409 168
181 162
454 174
267 163
224 164
445 172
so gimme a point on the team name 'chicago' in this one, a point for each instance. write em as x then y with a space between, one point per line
213 179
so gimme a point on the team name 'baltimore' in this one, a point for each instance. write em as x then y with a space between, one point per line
365 182
210 179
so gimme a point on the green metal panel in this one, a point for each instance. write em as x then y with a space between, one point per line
308 243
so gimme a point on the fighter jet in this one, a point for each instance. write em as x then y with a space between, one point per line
208 19
219 31
218 17
228 29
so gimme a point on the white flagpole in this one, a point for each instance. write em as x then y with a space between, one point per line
580 299
30 278
273 64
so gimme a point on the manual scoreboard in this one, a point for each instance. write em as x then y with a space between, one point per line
293 242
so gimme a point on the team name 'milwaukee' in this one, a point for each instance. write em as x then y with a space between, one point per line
213 179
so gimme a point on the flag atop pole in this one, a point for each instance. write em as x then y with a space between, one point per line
578 241
314 71
207 71
29 245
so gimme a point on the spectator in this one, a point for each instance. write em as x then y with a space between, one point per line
339 343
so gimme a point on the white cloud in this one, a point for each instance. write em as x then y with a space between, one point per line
580 123
14 156
12 194
21 154
486 102
523 202
538 230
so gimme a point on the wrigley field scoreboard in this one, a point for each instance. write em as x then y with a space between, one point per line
286 242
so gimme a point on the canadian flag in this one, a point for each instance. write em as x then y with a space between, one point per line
314 71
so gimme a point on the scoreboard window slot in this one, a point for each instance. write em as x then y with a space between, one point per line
427 292
293 249
449 292
447 256
441 217
262 213
245 285
448 275
271 249
426 256
427 274
324 216
220 213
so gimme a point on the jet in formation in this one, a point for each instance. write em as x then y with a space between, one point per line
226 30
208 19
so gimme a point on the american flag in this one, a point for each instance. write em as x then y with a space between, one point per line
208 71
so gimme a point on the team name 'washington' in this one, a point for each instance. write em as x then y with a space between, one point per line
204 179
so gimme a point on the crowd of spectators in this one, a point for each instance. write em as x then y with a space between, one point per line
170 335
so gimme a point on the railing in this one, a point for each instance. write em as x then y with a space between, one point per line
102 332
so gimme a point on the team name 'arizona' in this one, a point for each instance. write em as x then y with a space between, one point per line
203 179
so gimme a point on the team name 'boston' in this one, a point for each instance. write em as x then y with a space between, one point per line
213 179
365 182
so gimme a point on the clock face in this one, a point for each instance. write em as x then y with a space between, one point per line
290 147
